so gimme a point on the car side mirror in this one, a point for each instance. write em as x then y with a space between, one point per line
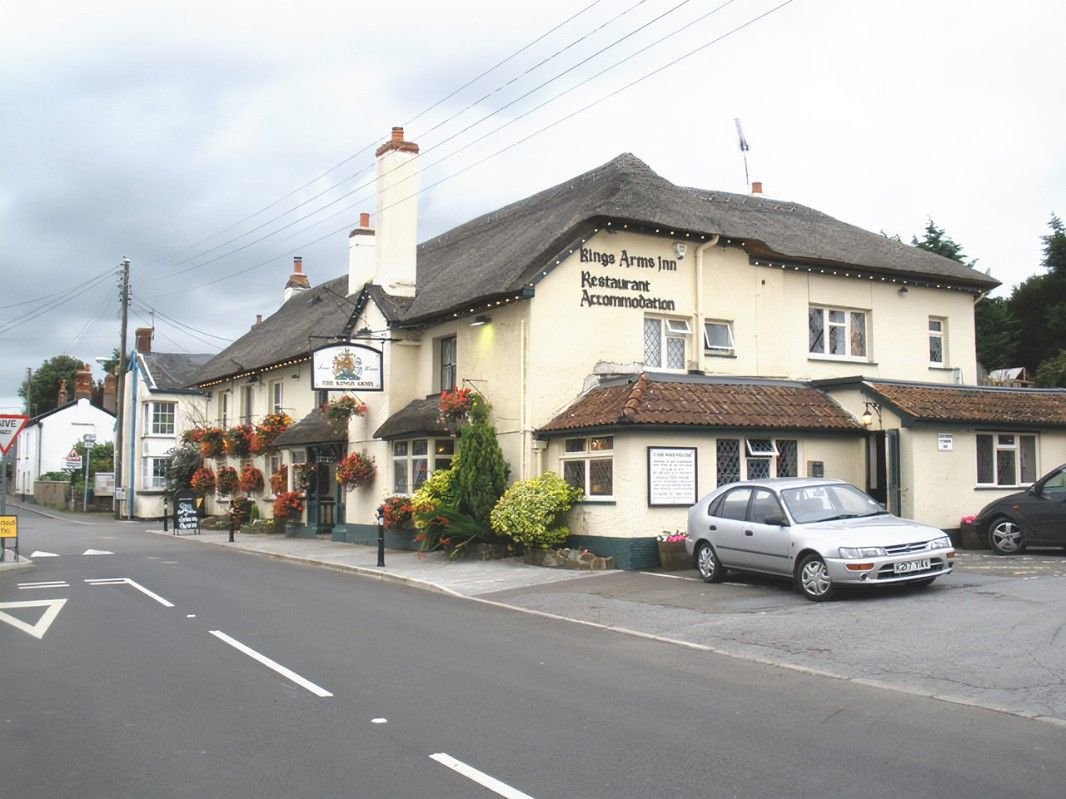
776 521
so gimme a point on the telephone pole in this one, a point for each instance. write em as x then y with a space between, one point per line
121 385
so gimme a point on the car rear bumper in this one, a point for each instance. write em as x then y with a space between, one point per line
883 571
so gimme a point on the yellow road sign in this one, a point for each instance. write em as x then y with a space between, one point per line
9 526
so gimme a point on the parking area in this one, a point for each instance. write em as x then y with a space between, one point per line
990 634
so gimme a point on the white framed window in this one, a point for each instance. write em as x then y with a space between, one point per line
756 459
718 337
247 394
299 456
588 464
1006 459
937 351
446 356
414 460
223 408
666 343
836 332
159 418
155 473
277 396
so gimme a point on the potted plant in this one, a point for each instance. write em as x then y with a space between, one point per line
288 505
237 441
672 554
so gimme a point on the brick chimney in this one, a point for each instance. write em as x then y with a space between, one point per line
396 220
361 255
297 280
62 396
83 382
143 337
756 187
258 321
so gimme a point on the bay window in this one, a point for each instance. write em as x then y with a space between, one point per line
415 459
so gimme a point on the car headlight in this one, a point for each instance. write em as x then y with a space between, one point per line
939 543
858 553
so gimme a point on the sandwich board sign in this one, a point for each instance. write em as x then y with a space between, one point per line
10 426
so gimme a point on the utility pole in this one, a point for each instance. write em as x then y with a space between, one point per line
121 384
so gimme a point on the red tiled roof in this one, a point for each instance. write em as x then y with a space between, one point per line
691 403
986 405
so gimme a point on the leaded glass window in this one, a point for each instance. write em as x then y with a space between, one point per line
836 332
588 464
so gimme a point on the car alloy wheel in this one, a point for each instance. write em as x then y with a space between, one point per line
1006 537
707 564
812 578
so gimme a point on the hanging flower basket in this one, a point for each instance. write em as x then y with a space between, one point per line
272 426
340 410
227 481
303 476
454 407
202 480
251 479
279 481
237 441
356 468
395 511
210 440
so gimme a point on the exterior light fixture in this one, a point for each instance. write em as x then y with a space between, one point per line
867 417
902 291
480 320
680 248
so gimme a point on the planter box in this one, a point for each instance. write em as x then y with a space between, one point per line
673 557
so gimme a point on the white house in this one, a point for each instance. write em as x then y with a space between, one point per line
48 438
648 342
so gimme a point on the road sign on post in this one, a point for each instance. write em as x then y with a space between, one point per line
10 426
72 461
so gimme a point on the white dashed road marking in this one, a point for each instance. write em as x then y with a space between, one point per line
138 586
288 674
480 777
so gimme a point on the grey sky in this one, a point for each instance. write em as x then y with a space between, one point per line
141 129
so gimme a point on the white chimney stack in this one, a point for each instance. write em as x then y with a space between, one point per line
396 221
361 255
297 280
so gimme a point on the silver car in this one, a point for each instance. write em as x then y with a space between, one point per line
820 533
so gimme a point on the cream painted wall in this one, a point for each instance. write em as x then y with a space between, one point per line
629 515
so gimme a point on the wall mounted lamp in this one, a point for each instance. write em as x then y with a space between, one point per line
680 248
480 320
867 417
903 291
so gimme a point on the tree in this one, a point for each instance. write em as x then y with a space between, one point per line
1052 372
936 240
482 472
109 365
996 332
44 385
1039 304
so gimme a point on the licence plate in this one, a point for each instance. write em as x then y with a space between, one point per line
911 566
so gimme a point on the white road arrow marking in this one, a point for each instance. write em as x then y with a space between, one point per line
38 554
129 582
41 627
97 552
288 674
480 777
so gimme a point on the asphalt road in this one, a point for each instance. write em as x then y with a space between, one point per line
139 689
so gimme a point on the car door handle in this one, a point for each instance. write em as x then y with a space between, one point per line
713 527
749 532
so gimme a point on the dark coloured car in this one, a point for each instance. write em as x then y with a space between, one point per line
1034 517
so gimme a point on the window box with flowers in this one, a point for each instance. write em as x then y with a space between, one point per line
356 469
251 480
226 481
672 553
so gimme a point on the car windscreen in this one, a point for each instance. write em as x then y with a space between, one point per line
824 502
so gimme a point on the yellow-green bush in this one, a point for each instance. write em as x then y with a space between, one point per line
531 511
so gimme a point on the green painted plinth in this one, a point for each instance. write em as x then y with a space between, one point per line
631 554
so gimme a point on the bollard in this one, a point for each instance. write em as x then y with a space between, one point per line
164 513
381 540
231 527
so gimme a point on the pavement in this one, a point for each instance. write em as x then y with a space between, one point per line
990 635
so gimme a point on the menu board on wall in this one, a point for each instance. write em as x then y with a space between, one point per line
671 476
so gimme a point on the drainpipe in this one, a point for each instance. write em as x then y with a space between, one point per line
522 397
697 332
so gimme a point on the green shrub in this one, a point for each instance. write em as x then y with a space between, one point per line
531 511
481 474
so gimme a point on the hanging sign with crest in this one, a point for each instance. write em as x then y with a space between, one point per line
347 367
